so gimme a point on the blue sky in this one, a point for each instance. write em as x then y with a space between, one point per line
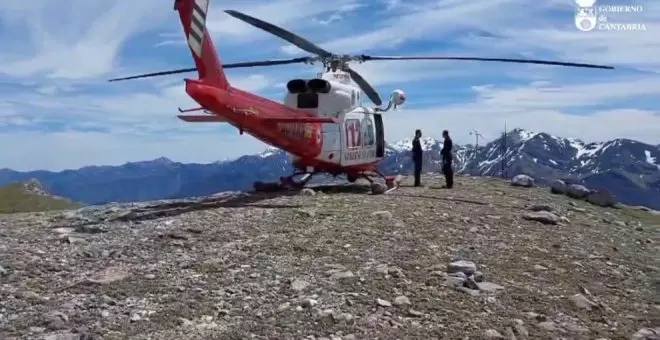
57 110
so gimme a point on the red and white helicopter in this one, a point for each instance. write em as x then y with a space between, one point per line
323 123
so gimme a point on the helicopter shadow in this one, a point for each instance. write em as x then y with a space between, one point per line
241 200
175 208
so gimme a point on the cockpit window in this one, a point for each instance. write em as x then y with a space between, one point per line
308 100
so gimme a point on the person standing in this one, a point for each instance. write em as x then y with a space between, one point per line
447 169
417 157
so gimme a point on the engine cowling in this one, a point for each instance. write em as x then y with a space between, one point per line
319 85
296 86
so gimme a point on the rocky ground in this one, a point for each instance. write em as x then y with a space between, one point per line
335 265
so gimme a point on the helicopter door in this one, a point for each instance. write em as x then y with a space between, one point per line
358 139
380 136
331 151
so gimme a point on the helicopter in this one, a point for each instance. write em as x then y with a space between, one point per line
323 123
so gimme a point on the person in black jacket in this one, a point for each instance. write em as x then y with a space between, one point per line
447 169
417 157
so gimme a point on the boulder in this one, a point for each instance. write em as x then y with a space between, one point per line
601 198
544 217
558 187
577 191
522 181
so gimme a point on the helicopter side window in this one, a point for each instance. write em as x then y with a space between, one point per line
308 100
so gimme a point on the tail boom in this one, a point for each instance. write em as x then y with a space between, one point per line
272 123
193 20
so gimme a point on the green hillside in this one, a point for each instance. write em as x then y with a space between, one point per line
22 197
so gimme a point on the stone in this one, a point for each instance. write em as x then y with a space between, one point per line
62 336
601 198
558 187
383 303
455 281
548 326
621 224
384 214
647 334
582 302
577 191
478 276
489 286
522 180
471 283
342 275
378 188
401 300
309 303
466 267
109 275
471 292
299 284
307 192
544 217
540 207
493 334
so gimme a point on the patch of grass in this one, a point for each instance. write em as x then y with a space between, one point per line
647 218
15 199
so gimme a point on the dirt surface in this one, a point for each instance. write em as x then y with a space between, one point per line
342 265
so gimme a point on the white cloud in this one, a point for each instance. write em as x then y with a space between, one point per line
73 39
436 18
80 41
544 95
291 14
541 108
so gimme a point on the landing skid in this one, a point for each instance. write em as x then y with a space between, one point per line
284 184
380 184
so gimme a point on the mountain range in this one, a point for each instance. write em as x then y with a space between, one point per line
628 169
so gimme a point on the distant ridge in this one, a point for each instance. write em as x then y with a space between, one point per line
627 168
29 196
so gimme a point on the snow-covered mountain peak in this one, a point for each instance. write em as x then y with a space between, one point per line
270 151
406 144
523 135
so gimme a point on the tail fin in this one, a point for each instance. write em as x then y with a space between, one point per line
193 19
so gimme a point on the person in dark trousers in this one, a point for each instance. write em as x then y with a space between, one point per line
417 157
447 169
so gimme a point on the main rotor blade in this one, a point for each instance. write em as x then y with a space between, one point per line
155 74
268 62
364 85
506 60
233 65
291 37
